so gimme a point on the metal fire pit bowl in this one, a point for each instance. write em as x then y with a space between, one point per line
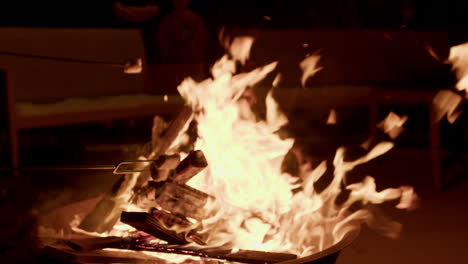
328 255
64 255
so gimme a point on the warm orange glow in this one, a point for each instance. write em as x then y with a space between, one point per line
255 206
309 67
393 124
459 59
446 103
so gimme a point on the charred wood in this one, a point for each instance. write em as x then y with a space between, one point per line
95 243
190 166
181 199
103 217
149 224
244 256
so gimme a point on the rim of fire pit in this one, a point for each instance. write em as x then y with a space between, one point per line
328 252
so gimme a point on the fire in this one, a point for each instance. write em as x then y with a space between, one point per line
447 102
255 206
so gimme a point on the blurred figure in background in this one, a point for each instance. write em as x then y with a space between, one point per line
181 39
143 14
182 36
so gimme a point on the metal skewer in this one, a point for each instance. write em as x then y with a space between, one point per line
131 66
122 167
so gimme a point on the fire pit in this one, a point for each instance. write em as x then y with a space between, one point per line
65 252
211 186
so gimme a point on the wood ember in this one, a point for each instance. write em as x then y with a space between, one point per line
171 220
106 213
244 256
181 199
164 166
161 174
171 133
95 243
190 166
167 162
65 254
149 224
159 125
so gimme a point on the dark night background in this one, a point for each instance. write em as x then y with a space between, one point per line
291 13
337 14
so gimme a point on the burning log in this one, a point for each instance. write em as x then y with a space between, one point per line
66 253
164 167
95 243
153 226
244 256
189 167
171 133
106 213
181 199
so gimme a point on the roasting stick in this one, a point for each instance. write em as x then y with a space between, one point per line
131 66
120 168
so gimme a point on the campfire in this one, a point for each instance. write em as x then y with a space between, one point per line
211 186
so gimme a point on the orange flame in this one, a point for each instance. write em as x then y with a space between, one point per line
255 207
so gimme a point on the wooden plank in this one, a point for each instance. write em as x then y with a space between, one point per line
70 118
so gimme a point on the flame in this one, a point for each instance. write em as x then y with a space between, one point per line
393 125
309 68
447 102
331 120
459 59
255 206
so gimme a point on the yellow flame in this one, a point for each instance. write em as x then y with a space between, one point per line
446 103
393 124
332 117
459 59
257 205
309 68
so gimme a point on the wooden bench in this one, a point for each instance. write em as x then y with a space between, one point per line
43 93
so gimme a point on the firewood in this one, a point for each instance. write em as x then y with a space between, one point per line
189 167
244 256
171 133
106 213
63 254
149 224
172 220
162 168
167 162
181 199
95 243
